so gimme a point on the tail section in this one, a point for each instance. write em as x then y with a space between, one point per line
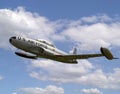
106 52
74 51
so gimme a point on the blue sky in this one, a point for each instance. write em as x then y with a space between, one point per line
86 24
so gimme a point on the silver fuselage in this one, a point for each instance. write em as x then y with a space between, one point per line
38 48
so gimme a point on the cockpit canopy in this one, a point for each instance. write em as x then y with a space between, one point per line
45 42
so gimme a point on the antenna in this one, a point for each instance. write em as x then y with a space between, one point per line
21 34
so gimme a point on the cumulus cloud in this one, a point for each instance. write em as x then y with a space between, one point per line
89 33
36 90
20 22
93 36
96 18
14 93
91 91
83 73
1 77
60 73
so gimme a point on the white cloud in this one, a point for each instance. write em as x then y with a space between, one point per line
36 90
14 93
91 37
83 73
91 91
60 73
1 78
96 18
89 32
19 21
103 30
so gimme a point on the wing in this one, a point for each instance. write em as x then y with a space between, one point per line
72 58
104 52
86 56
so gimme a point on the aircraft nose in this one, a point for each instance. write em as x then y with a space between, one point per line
10 40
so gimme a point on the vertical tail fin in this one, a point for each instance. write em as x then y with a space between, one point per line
74 51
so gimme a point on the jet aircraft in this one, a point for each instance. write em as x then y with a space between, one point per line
39 48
